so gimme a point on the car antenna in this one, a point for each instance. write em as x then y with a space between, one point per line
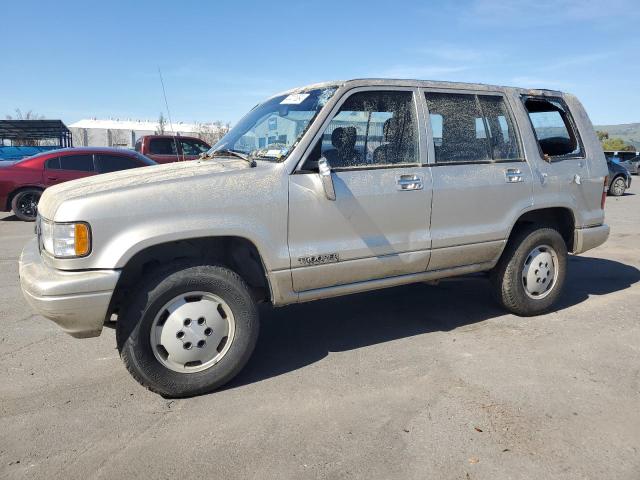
166 103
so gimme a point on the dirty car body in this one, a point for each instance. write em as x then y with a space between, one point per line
357 185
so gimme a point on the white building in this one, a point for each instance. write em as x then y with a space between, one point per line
124 133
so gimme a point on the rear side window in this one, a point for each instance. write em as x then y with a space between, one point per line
81 163
52 164
554 127
162 146
471 128
114 163
373 128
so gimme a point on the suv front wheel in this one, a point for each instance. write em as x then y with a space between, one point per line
188 330
530 275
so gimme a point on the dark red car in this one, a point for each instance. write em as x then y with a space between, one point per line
22 182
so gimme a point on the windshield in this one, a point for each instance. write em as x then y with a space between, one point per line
272 128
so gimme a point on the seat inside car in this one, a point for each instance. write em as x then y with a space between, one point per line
343 153
398 142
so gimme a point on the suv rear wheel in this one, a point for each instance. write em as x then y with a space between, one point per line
530 274
188 330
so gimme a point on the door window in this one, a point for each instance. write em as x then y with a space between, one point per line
471 128
457 126
162 146
553 127
114 163
503 142
192 147
371 129
81 163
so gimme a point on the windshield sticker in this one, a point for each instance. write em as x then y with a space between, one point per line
294 99
273 153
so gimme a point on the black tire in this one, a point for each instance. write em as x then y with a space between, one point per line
618 191
25 204
506 277
136 318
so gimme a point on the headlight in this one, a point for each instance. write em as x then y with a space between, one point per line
66 240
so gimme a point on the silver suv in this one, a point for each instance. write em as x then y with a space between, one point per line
321 191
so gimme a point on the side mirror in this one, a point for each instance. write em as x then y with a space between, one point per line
324 170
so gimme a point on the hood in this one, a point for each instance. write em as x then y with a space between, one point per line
133 178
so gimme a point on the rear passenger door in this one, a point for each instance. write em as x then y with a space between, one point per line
68 167
481 181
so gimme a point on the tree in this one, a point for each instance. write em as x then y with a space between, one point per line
117 138
614 144
162 123
211 132
29 115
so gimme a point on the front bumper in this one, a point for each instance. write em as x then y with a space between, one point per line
590 237
78 301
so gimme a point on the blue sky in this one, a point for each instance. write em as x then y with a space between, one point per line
74 60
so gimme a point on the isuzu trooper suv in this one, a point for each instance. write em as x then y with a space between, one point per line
320 191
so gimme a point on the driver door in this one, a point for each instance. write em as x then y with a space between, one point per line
378 224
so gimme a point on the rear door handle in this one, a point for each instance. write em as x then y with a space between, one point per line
513 175
407 183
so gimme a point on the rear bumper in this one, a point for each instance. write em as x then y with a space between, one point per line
77 301
591 237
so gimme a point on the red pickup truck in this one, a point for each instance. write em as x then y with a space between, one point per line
169 148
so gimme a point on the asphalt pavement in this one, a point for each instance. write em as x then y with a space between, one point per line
419 381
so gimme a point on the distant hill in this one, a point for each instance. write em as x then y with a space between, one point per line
629 132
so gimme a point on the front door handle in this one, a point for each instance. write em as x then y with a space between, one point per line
513 175
407 183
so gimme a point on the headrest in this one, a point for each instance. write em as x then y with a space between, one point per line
344 138
390 129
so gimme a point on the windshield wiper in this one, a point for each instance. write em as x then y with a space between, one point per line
225 152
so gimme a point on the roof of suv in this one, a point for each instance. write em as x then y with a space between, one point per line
357 82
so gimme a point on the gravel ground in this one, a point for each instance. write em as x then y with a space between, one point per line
412 382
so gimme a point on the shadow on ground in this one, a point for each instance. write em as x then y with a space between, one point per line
10 218
296 336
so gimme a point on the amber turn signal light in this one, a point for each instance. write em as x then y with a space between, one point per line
82 243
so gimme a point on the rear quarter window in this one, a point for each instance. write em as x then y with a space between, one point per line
553 127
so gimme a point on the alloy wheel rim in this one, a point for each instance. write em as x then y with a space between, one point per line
540 272
618 186
28 204
192 332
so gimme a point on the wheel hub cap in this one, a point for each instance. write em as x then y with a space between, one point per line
192 332
540 272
